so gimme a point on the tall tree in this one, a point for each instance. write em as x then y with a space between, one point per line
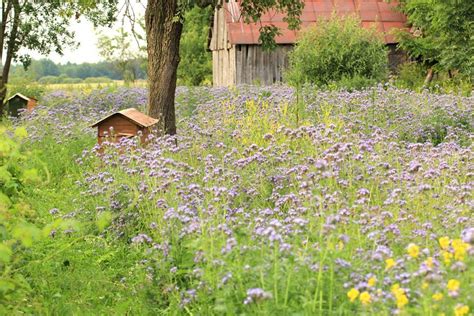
164 25
42 26
442 34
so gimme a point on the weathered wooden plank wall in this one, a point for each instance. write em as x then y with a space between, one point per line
223 67
254 65
223 54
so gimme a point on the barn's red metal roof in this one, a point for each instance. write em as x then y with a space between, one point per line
373 13
134 115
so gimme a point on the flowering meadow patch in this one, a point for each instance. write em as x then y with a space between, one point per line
362 205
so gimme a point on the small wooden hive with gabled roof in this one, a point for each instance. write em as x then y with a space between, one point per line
19 102
126 123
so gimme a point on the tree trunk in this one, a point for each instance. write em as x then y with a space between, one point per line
429 77
11 47
163 33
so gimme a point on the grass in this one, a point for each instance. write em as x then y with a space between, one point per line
251 212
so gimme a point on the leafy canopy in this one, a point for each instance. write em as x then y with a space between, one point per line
442 33
195 66
43 25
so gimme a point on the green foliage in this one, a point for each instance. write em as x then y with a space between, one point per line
118 50
253 10
49 80
15 230
43 25
26 87
73 73
443 33
351 84
411 75
195 67
338 50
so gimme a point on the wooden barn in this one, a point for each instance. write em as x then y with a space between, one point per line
19 102
126 123
238 58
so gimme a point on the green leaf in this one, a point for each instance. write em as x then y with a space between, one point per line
30 176
20 132
5 202
5 253
6 286
5 147
5 176
103 220
26 233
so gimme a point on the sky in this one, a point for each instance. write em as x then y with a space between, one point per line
86 36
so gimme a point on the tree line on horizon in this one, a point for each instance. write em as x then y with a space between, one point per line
195 66
46 71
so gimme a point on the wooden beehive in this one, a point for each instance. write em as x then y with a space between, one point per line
126 123
18 102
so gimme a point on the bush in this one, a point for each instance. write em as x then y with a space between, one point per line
49 80
411 75
337 50
17 233
25 87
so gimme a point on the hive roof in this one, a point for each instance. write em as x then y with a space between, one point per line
24 97
134 115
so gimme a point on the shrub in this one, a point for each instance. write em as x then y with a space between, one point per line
49 80
16 231
25 87
337 49
411 75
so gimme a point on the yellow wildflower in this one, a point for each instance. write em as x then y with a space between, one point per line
399 294
429 262
424 285
438 296
389 263
447 256
365 298
460 249
413 250
461 310
340 245
353 294
453 285
372 281
397 290
458 243
402 300
444 242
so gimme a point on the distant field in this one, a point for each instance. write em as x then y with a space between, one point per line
91 86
